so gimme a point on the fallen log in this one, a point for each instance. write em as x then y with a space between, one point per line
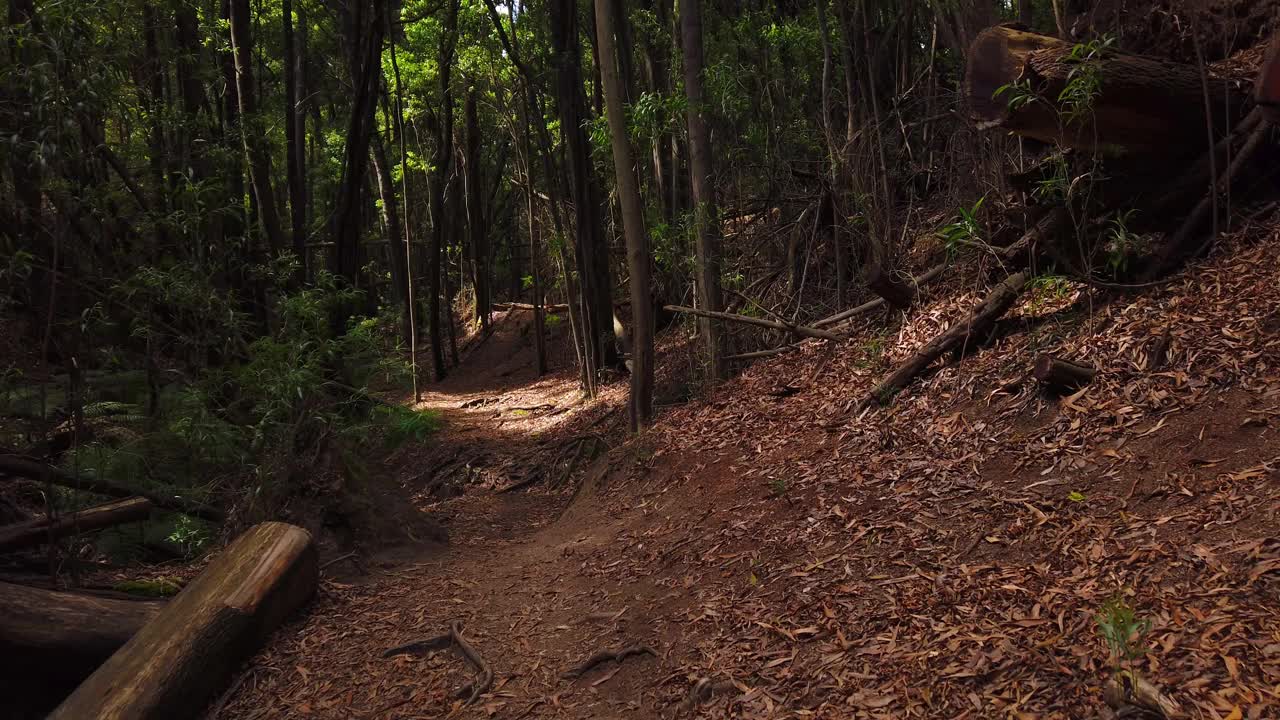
801 330
1059 374
56 639
1142 103
178 660
41 530
554 309
997 302
879 302
32 470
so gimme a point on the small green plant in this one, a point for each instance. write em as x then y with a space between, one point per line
1076 496
1124 633
779 487
1019 94
403 424
1047 289
1120 241
189 535
1084 79
964 230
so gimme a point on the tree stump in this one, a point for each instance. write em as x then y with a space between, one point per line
176 662
1060 374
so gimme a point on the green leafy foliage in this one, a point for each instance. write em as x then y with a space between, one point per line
965 230
1124 633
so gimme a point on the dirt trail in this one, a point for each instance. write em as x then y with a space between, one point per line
524 581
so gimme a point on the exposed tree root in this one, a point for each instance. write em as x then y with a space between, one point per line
605 656
484 674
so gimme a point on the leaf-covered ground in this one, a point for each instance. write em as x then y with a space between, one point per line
788 556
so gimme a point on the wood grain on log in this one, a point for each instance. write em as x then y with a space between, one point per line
176 662
40 530
1144 103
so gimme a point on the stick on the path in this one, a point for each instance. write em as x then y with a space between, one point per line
730 317
605 656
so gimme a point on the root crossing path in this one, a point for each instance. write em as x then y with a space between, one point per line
526 576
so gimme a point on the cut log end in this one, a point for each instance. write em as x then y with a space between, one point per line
1058 374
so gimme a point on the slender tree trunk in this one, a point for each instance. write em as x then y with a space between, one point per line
195 128
638 255
391 218
295 139
153 72
255 145
591 248
365 51
477 240
441 162
701 171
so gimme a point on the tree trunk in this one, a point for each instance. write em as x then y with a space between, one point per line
1026 13
392 218
365 52
1144 104
477 240
54 640
295 139
42 530
591 248
441 162
174 664
701 171
255 138
638 254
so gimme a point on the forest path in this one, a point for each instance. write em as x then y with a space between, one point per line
529 581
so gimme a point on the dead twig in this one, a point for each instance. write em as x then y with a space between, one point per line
605 656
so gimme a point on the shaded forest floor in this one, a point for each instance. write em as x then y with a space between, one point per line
785 556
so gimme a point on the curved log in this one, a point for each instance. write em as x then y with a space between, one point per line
1144 103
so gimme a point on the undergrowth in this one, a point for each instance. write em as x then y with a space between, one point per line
238 418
